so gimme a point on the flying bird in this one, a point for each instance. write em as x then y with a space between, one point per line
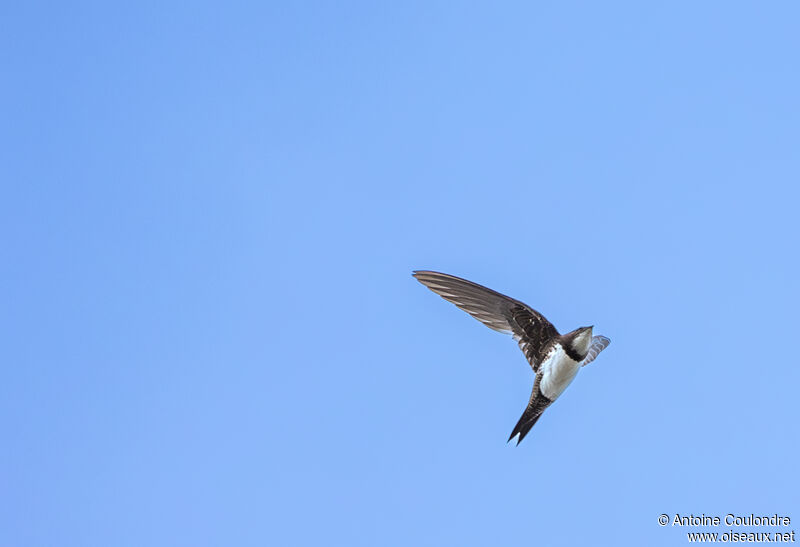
555 358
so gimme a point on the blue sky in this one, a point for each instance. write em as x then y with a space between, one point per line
211 212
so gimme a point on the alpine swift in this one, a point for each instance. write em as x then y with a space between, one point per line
555 358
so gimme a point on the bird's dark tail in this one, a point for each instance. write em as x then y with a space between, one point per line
524 425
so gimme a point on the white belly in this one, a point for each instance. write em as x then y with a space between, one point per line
559 371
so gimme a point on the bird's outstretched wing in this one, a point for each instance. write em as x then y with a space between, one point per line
497 311
599 343
536 406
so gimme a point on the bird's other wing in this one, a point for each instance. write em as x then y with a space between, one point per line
599 343
524 425
536 406
497 311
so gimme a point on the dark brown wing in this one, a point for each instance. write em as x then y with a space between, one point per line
497 311
536 406
533 334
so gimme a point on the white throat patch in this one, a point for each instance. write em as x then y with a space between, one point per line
582 342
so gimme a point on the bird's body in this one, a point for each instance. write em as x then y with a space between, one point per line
555 358
558 371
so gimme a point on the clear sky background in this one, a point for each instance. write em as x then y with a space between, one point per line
210 214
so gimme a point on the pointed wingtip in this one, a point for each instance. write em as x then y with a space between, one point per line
524 426
516 433
511 438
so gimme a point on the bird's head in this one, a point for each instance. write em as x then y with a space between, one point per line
580 340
